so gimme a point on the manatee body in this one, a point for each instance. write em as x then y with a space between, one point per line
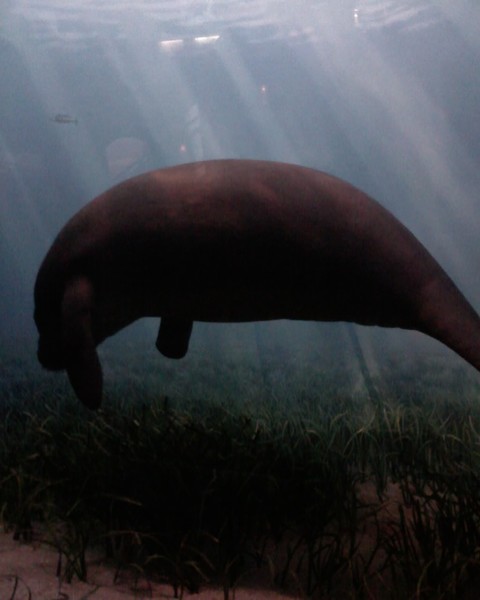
232 241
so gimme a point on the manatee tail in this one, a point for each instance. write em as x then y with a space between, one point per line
445 314
82 363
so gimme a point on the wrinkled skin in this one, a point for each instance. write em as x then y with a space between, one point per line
230 241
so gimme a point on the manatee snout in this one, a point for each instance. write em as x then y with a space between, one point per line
49 358
49 349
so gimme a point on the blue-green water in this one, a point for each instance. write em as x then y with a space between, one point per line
256 449
384 94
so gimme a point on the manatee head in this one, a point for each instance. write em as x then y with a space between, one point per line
66 340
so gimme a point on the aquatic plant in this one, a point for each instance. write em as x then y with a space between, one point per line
329 495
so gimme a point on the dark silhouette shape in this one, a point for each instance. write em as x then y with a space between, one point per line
235 240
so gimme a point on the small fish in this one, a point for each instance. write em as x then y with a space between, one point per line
61 118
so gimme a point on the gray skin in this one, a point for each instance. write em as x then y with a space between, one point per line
233 241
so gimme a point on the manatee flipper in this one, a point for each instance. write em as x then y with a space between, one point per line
83 366
174 336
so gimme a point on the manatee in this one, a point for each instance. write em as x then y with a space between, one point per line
235 241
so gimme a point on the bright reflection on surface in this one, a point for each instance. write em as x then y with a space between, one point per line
206 39
171 45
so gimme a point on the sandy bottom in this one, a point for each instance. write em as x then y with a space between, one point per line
28 572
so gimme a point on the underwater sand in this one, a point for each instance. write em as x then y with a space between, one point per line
28 572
